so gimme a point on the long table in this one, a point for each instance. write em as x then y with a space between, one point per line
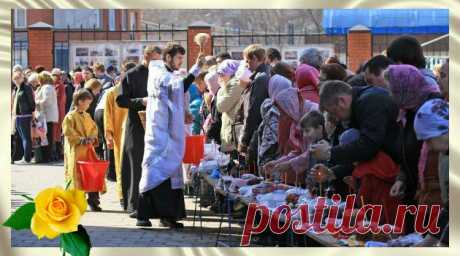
324 239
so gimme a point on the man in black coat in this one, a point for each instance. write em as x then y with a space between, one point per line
133 96
369 109
254 94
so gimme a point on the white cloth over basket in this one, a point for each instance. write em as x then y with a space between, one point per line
165 129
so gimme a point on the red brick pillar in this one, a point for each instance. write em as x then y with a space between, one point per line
193 48
359 46
41 45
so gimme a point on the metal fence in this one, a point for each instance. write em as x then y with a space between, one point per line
287 42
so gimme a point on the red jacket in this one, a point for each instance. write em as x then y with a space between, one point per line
61 100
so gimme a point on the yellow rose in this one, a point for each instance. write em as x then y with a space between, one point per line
57 211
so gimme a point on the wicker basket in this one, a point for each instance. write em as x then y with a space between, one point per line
142 117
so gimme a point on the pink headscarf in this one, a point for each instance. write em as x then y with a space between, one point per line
306 75
289 100
307 79
228 67
410 89
277 84
408 86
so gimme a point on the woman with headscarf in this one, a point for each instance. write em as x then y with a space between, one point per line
212 123
307 79
228 101
432 125
292 166
410 90
268 132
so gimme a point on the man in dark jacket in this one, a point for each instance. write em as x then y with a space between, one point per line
369 109
254 94
23 106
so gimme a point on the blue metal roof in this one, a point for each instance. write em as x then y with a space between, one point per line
387 21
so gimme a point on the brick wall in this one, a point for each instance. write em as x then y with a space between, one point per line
41 48
359 48
40 15
192 48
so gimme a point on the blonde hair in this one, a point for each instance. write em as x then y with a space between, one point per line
99 67
93 84
45 78
254 50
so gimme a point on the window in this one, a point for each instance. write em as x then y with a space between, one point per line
61 55
112 20
132 23
123 20
20 18
75 18
132 18
20 47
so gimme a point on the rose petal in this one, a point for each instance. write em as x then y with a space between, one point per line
42 200
70 224
79 198
40 228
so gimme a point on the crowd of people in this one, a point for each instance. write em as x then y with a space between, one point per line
315 125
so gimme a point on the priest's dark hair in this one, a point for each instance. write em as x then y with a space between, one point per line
172 49
81 94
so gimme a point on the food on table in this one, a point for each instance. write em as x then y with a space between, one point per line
263 188
292 199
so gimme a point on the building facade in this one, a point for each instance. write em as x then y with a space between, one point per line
43 36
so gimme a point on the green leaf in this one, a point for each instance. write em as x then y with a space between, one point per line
21 218
68 184
76 243
28 197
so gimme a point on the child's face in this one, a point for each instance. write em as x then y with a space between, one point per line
83 105
313 134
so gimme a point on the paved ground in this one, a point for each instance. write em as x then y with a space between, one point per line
112 227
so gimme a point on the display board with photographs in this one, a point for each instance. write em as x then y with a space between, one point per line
110 54
289 55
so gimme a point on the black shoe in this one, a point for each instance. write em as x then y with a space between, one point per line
167 223
143 223
122 204
94 205
95 208
133 215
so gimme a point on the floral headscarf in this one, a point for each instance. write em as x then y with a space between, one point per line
408 86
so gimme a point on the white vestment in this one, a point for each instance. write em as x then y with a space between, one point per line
164 129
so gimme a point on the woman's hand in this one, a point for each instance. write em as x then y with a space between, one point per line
268 167
283 167
109 141
188 118
321 173
321 150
